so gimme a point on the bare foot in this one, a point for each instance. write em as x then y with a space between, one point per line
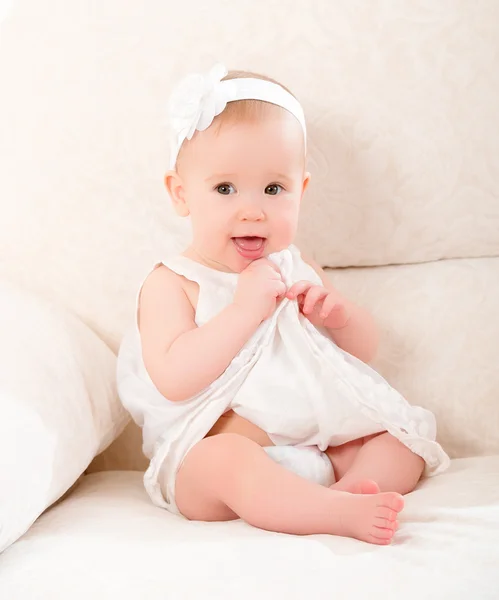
365 486
368 517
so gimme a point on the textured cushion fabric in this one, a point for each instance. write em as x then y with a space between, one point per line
107 541
58 406
400 101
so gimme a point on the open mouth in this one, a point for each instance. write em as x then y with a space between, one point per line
251 247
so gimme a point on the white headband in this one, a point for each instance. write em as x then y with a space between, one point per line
199 98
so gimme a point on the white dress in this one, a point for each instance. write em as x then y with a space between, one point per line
290 379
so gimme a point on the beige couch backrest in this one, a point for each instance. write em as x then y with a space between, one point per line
401 102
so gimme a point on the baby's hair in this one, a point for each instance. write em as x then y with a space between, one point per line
243 110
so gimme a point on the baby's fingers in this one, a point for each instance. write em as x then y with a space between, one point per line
280 289
314 294
297 289
264 262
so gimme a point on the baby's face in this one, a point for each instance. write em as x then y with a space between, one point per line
242 186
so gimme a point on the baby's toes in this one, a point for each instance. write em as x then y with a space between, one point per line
386 513
380 535
385 523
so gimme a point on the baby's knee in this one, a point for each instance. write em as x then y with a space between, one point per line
211 458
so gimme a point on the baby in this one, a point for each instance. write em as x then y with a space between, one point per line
246 368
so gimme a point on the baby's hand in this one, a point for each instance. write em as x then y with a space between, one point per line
320 305
259 288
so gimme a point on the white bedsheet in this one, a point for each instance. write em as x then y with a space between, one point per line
108 541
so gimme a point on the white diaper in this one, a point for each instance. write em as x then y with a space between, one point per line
306 461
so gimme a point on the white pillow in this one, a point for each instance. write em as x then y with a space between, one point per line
58 406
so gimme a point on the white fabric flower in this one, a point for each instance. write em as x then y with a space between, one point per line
197 100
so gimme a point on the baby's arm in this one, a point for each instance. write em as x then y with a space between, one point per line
359 336
181 358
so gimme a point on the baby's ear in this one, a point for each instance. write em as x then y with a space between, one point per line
175 189
306 181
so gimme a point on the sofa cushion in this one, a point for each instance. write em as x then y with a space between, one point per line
439 342
108 541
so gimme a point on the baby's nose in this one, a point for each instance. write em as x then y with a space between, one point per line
252 212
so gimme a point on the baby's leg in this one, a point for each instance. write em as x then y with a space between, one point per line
228 476
381 459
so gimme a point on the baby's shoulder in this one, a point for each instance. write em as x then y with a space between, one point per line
161 278
163 282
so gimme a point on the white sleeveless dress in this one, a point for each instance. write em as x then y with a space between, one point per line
290 379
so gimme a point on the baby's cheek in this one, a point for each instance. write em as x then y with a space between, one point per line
287 228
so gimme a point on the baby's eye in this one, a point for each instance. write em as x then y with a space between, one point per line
225 189
273 189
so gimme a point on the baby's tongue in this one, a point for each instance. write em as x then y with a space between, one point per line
249 243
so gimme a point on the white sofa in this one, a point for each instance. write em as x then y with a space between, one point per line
401 101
